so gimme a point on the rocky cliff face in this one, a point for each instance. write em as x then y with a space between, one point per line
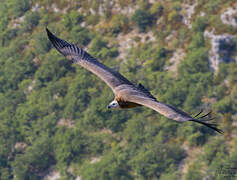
222 49
223 46
230 16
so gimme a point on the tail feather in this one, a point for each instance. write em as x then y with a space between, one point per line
210 125
205 115
198 114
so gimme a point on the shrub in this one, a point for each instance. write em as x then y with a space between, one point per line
112 166
36 159
80 35
155 159
157 9
18 7
142 19
7 36
174 16
30 21
40 43
200 24
3 23
119 24
92 19
72 19
158 59
194 172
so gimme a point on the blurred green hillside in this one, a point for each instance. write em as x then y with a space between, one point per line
53 115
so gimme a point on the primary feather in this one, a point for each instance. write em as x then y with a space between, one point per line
81 57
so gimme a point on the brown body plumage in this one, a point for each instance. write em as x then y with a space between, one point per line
126 104
127 95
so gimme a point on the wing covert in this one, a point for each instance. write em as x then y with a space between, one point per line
164 109
169 111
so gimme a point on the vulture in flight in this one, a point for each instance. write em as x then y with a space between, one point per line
126 94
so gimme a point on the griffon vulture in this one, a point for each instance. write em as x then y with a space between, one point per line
126 94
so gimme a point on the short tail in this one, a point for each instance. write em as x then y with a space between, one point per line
210 125
202 121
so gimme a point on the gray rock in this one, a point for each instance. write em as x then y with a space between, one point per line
222 50
229 16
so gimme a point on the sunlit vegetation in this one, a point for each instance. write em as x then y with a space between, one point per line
53 113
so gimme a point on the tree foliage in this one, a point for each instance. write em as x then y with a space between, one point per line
142 19
53 113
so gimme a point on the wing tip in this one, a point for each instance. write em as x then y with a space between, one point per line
46 29
48 33
57 42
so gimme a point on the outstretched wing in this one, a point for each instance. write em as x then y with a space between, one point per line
168 111
81 57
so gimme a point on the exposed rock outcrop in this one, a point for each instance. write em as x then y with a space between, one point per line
66 122
230 16
222 49
126 41
187 13
20 146
53 175
30 87
95 159
178 55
